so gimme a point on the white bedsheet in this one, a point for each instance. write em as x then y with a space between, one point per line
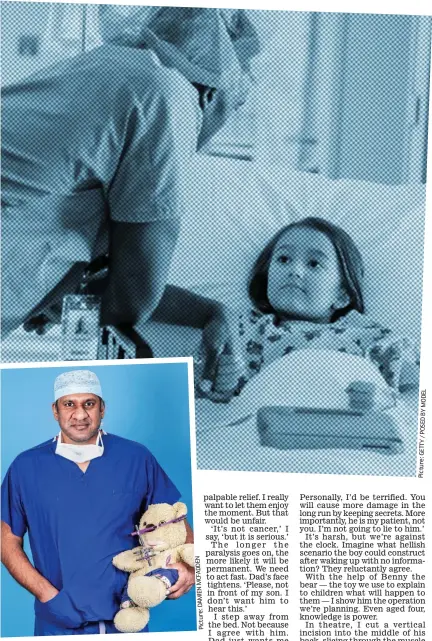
238 448
227 435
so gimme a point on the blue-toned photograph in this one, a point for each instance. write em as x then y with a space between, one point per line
246 187
96 510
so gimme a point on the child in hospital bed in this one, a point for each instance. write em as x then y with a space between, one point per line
307 292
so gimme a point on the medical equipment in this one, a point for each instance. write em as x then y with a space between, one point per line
80 327
79 316
312 428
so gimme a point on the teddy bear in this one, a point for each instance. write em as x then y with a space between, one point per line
162 535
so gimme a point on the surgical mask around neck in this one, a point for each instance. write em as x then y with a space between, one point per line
80 453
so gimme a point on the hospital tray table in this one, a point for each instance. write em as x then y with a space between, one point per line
305 428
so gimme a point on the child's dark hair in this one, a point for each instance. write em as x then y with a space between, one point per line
349 258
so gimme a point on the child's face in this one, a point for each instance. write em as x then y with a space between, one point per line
304 279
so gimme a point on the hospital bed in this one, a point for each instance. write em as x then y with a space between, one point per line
387 223
233 208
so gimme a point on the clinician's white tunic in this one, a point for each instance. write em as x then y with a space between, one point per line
112 118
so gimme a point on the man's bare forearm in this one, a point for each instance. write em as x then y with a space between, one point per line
186 572
140 257
17 563
189 534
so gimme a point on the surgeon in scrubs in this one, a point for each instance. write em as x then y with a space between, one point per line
122 120
79 496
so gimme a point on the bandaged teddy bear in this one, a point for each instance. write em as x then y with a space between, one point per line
162 535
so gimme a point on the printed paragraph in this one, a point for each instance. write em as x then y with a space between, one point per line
246 566
362 565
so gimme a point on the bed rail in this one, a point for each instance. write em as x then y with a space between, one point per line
122 343
116 342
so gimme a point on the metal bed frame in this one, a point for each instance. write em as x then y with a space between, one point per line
116 342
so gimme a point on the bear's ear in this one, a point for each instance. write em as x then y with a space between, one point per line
180 509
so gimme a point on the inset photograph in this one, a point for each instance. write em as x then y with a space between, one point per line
97 523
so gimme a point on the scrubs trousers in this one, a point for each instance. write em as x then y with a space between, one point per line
46 628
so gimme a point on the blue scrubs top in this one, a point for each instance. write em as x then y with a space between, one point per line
77 522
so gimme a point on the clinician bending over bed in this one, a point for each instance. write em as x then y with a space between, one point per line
124 118
306 288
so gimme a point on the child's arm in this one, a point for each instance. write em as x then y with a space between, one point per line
409 377
395 356
397 363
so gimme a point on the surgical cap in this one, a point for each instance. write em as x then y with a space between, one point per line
207 46
77 382
243 35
